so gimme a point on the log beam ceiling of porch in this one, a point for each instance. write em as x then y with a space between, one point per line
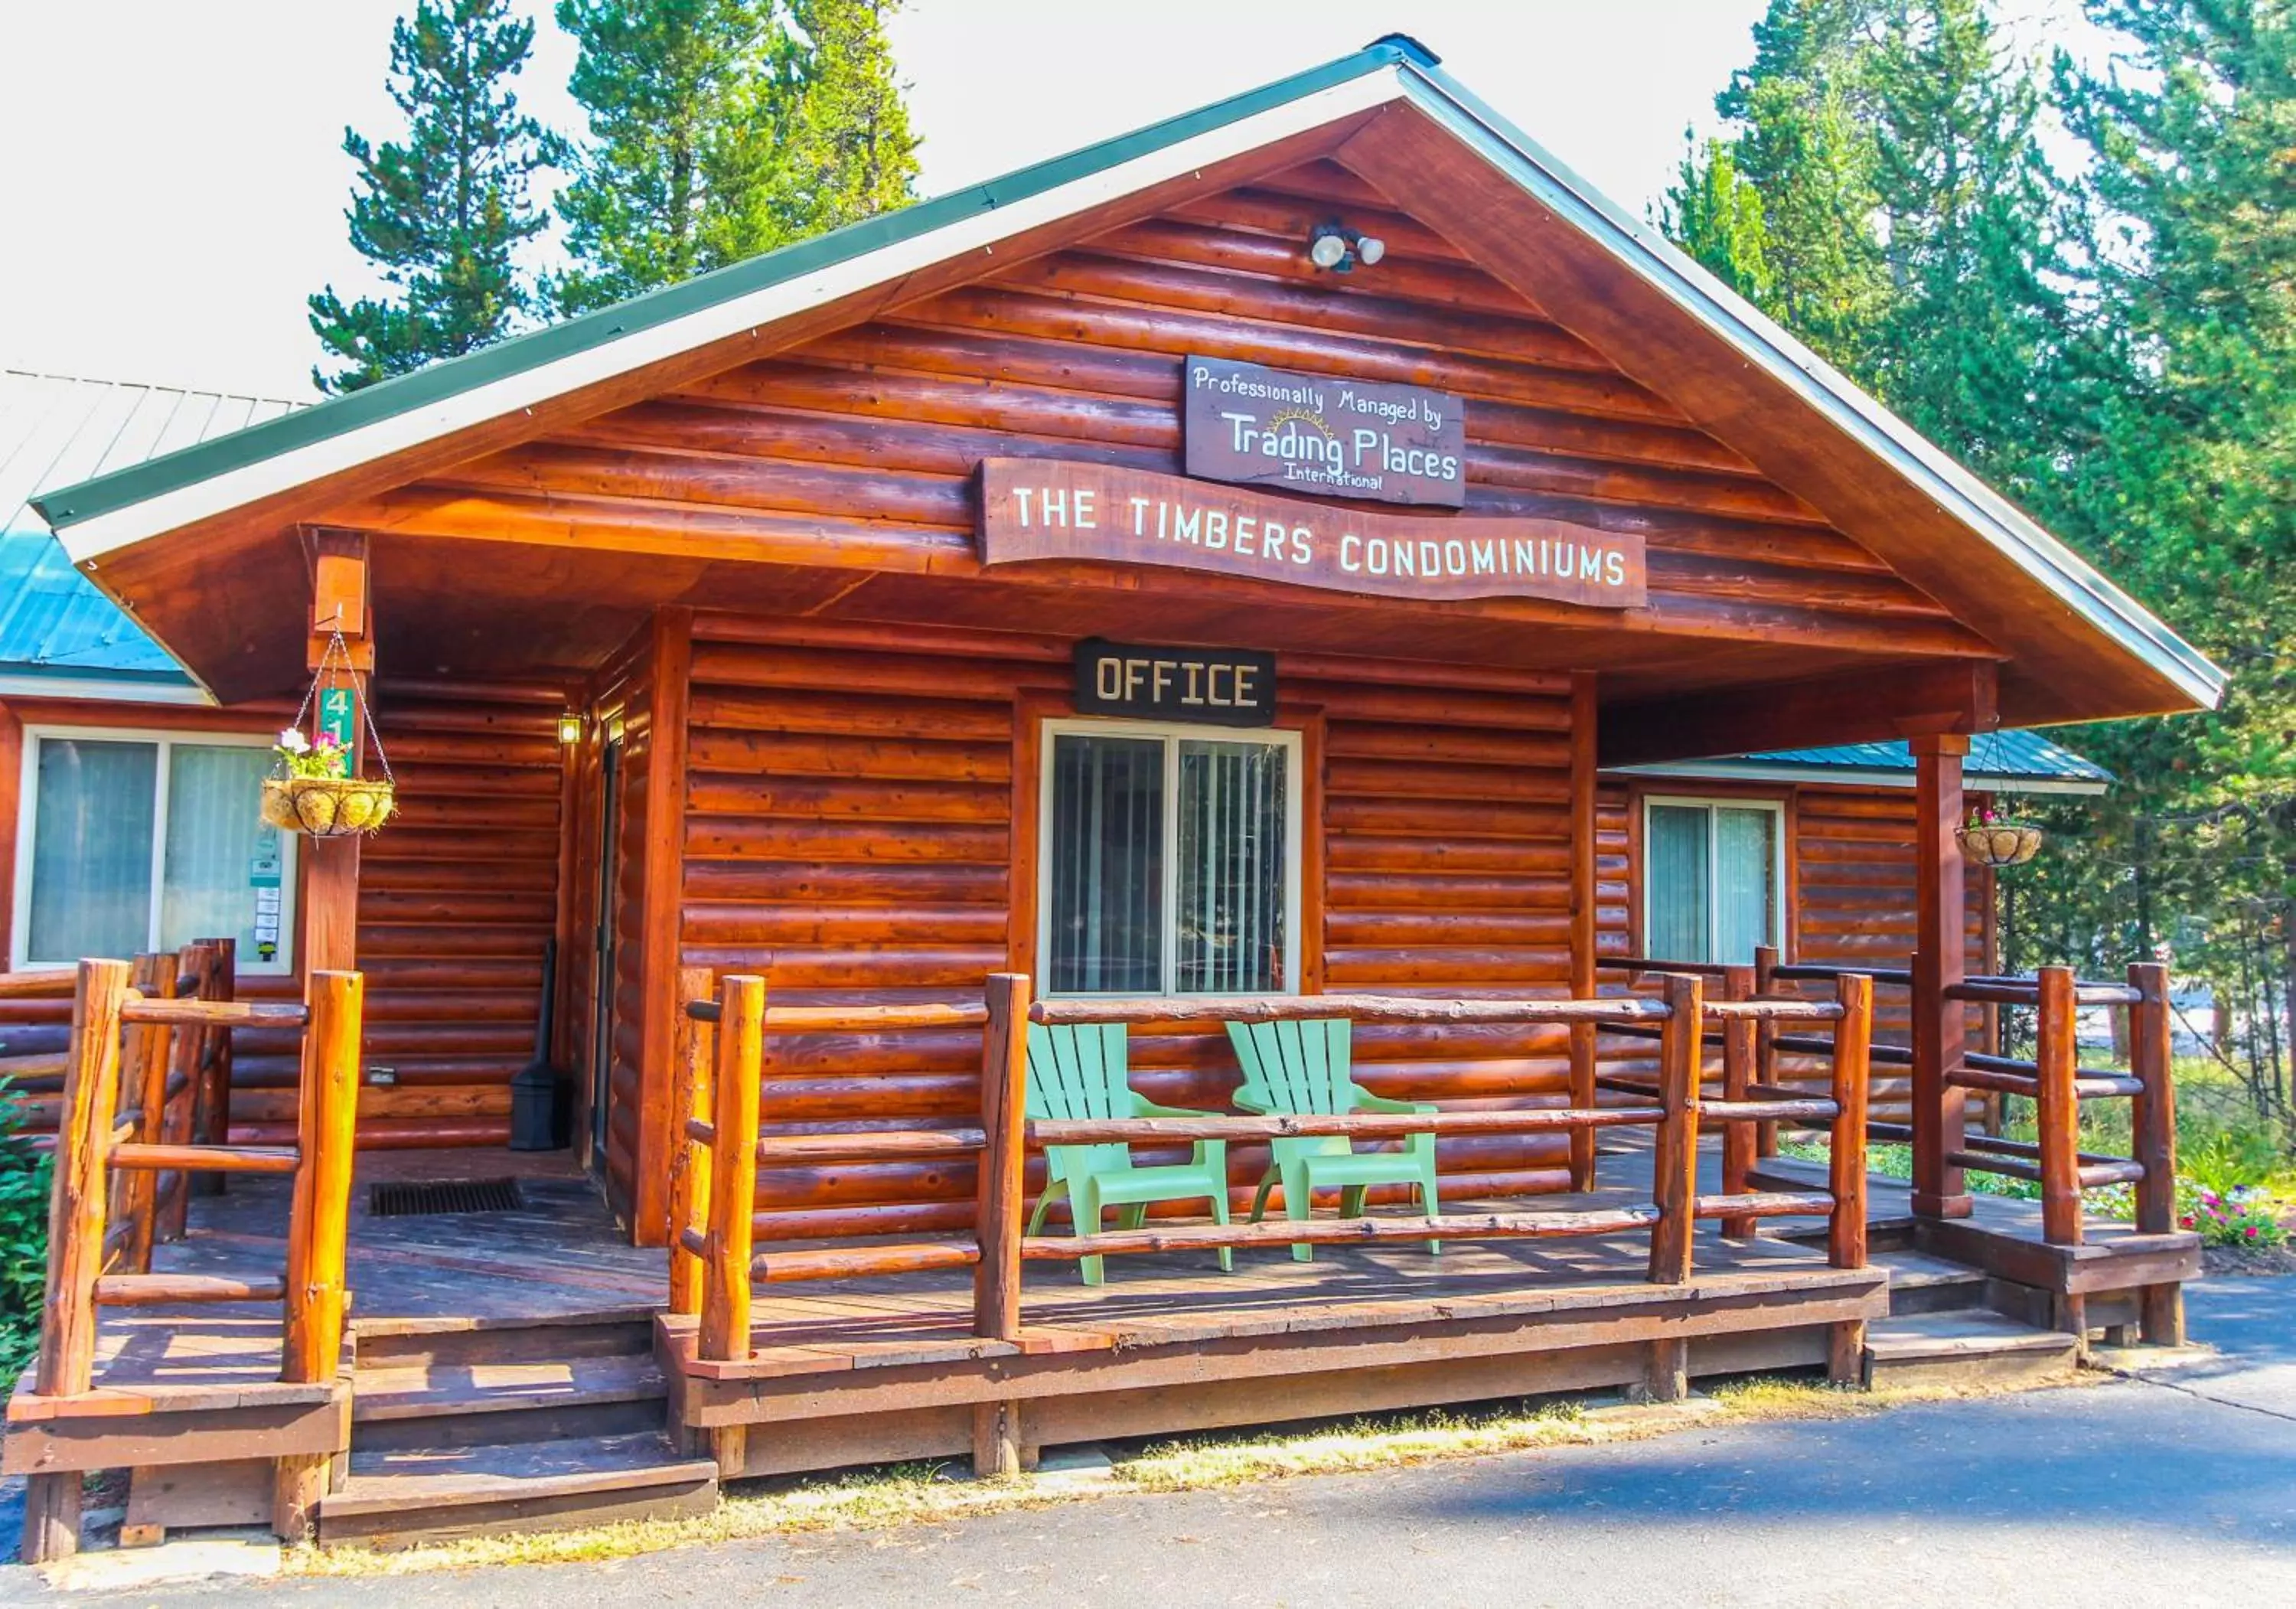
1871 706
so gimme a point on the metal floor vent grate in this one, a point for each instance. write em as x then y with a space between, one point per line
442 1197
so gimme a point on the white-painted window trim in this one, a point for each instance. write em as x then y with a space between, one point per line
27 795
1709 803
1171 733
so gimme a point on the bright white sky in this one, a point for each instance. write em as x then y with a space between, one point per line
173 185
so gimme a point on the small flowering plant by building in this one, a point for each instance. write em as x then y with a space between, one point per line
302 758
2243 1216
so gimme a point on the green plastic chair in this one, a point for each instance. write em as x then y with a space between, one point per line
1305 1067
1082 1071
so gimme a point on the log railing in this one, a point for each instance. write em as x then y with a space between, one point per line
128 1049
2056 1084
713 1263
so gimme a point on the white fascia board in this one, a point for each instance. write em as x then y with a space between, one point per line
94 690
88 542
1681 279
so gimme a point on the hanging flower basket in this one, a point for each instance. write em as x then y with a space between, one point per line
326 807
314 788
1999 844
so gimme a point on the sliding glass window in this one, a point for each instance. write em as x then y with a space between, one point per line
1713 877
1170 860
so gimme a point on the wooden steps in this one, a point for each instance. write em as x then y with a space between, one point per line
461 1427
404 1496
1966 1347
1922 1283
1944 1330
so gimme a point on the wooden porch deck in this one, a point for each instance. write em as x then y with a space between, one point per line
561 1259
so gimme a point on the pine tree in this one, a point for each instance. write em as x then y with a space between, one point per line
1971 346
851 152
722 128
1713 212
1798 143
442 213
2191 492
686 102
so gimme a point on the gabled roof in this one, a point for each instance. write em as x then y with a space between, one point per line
59 634
1999 762
1762 390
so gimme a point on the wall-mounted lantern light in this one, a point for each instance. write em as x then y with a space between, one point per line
570 727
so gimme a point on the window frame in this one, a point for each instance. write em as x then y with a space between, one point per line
1710 803
27 795
1172 734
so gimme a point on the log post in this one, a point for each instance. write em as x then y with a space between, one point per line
2152 1120
316 1297
1853 1040
1585 935
1737 1073
76 1232
340 602
211 1096
998 1205
145 1055
1675 1183
2057 1108
730 1239
999 1210
1939 962
195 967
694 1099
1766 1048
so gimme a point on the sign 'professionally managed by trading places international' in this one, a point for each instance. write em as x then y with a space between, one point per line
1058 509
1255 426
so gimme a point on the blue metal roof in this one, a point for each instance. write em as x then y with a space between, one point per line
54 622
2011 760
53 430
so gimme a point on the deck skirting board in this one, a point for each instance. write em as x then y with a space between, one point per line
1384 1338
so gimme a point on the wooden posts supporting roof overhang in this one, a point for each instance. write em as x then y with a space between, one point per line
1940 961
340 602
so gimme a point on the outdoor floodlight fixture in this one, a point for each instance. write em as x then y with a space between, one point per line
1338 248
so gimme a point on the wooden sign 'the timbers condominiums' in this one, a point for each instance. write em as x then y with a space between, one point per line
1034 508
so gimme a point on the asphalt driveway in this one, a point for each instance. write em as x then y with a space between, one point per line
2178 1489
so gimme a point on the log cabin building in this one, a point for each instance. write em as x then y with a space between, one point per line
1314 547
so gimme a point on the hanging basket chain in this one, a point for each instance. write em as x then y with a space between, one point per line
337 654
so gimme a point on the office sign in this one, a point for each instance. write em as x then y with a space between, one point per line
1222 686
1254 426
1036 509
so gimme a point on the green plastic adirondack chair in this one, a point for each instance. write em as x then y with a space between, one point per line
1305 1067
1082 1071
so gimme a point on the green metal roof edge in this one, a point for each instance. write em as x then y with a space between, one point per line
426 387
1781 353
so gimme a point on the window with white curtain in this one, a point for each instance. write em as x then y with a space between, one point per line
1713 878
131 842
1170 860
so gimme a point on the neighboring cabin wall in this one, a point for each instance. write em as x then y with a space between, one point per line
1850 893
458 896
851 833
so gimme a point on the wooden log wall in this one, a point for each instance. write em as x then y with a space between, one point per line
851 830
456 898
